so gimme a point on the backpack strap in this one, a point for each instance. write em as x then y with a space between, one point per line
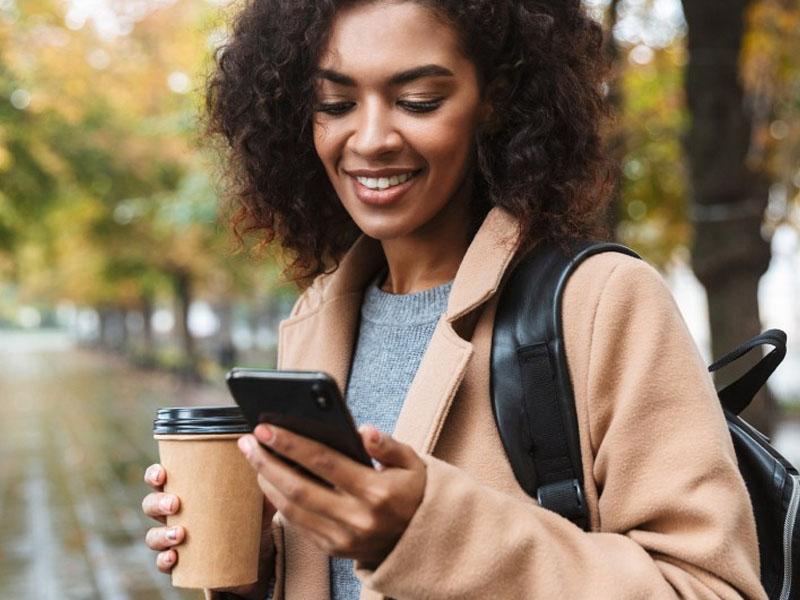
737 396
532 397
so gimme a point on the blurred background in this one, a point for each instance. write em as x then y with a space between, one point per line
120 291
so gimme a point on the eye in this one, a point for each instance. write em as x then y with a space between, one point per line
334 108
422 106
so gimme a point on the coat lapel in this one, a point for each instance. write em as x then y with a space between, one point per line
433 389
445 362
323 338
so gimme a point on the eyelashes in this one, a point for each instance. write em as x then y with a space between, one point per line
421 106
336 109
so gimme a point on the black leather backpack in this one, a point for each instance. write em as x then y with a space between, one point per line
534 407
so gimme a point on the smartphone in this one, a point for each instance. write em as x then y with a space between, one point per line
308 403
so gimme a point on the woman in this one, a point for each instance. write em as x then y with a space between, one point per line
406 154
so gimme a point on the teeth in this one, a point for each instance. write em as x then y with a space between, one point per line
384 183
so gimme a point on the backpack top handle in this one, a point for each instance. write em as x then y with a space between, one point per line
736 396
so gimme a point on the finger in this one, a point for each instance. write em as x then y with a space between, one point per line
296 488
326 533
155 476
164 538
159 505
165 561
387 450
326 463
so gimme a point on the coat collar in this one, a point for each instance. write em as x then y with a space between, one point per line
477 279
484 264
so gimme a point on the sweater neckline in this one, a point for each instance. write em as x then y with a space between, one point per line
417 308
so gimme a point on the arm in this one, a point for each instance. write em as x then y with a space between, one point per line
672 517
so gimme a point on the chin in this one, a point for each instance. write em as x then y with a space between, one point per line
385 228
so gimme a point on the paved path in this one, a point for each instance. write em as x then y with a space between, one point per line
74 440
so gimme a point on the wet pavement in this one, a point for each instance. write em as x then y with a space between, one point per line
74 441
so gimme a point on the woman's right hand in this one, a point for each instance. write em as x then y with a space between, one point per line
159 505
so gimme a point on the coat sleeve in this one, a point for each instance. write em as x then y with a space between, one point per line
671 516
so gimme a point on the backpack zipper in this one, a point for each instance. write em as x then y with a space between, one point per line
788 530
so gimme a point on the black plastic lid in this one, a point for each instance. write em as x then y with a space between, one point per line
200 420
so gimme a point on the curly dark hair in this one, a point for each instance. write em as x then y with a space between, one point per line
541 158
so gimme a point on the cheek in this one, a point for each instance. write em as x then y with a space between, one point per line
325 143
446 144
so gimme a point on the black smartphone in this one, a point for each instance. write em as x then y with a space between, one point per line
308 403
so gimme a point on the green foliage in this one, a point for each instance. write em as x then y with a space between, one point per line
771 72
653 208
106 192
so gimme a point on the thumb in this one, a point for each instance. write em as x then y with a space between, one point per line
387 450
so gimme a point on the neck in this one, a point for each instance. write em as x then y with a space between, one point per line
431 255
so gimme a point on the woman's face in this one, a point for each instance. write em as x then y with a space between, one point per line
397 109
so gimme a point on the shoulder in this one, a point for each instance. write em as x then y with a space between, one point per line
623 329
628 345
614 287
616 274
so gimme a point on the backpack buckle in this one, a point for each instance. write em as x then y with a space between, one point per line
566 498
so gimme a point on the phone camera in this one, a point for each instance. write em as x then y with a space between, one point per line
322 402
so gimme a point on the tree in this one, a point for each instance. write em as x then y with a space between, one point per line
729 193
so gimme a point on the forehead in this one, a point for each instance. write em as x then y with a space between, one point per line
376 38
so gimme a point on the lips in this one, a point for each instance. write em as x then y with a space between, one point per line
390 194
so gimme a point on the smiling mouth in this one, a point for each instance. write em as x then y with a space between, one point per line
385 183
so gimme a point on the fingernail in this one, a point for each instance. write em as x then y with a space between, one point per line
172 534
166 504
169 558
246 444
375 437
152 473
265 433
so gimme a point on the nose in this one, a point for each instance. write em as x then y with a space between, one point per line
376 134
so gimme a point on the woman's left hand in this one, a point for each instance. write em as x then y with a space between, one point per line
363 516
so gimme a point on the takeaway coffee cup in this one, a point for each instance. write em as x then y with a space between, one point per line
220 501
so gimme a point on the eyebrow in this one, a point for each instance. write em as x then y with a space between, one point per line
396 79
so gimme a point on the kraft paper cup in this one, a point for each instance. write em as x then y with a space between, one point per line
220 501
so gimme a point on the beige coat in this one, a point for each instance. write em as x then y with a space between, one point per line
669 511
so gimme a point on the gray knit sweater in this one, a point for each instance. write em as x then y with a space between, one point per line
394 334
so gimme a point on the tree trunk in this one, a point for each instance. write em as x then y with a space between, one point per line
124 332
226 351
729 254
103 316
147 324
148 339
183 300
